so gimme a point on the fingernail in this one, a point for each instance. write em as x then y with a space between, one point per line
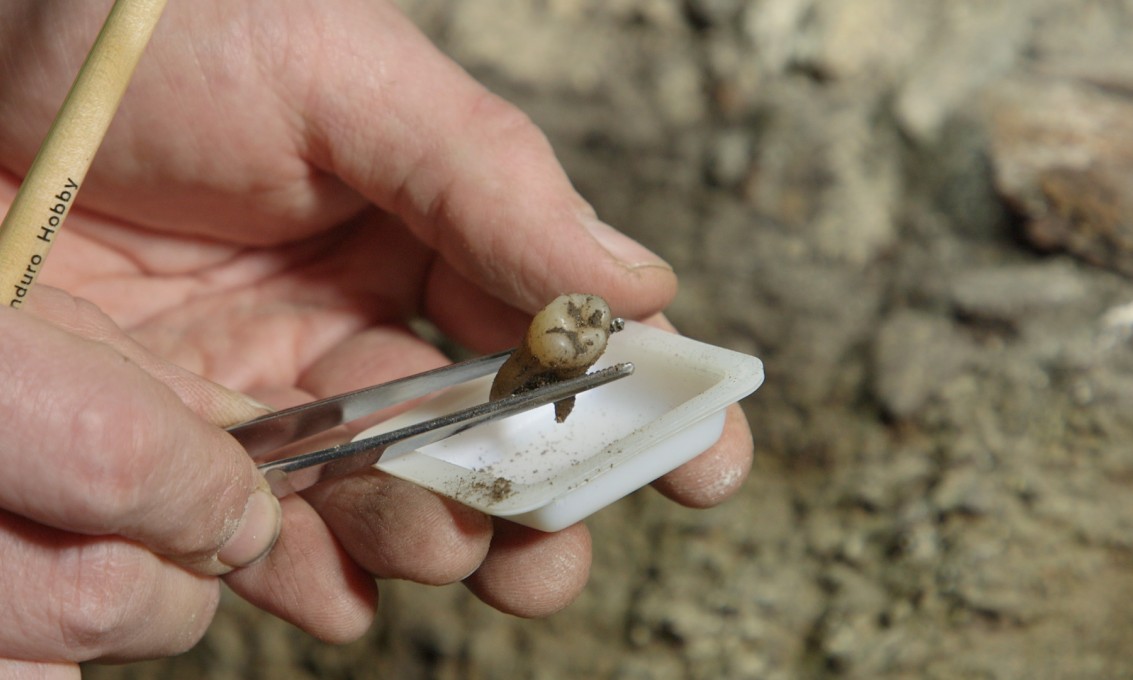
257 532
624 249
255 403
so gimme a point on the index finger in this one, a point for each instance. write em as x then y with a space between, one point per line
471 175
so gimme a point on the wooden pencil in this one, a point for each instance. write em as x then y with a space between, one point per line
48 191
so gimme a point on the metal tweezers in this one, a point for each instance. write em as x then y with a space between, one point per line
271 432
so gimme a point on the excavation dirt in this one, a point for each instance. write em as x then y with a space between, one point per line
919 215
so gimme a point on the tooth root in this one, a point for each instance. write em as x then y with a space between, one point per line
563 409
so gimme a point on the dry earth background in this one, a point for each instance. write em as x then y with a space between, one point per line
918 214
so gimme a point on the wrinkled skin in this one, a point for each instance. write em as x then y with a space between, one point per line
287 182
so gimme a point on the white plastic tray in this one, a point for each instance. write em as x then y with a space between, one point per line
620 437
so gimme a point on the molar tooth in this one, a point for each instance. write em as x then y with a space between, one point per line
564 340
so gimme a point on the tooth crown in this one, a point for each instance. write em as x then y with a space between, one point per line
570 332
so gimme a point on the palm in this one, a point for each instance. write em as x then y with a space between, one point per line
209 228
248 317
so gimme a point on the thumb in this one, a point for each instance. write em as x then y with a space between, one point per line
470 175
91 443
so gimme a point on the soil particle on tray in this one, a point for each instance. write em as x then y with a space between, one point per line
500 489
494 491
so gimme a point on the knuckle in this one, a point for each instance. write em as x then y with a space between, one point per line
115 600
89 321
500 120
105 598
120 462
75 315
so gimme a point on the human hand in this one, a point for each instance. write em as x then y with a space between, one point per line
286 184
121 505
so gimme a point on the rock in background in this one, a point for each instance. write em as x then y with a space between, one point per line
918 214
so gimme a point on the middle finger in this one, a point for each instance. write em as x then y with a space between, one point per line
391 527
